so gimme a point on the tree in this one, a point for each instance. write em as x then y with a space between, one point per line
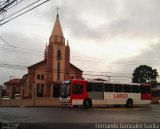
145 74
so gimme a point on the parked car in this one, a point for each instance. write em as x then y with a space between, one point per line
17 96
6 97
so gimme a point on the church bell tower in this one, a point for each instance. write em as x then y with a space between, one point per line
56 55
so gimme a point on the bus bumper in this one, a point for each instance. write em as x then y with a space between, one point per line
65 101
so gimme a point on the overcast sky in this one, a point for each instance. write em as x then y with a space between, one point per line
106 37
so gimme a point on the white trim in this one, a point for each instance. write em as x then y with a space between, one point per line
111 98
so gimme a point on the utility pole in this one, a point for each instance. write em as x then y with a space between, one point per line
109 78
33 93
0 92
10 87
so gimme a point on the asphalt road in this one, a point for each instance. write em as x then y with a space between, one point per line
60 117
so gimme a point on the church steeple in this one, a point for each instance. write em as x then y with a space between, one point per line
56 53
57 33
57 30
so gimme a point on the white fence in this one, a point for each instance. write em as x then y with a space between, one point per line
30 102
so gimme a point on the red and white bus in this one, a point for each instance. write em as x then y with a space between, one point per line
88 93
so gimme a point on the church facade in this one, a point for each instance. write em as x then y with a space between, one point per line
44 78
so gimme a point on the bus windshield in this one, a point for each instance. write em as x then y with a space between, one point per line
65 90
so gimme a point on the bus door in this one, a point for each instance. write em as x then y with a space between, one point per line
145 92
78 92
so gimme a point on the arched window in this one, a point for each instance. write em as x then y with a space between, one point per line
72 77
42 77
58 55
38 76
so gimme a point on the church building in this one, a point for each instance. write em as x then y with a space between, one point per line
44 78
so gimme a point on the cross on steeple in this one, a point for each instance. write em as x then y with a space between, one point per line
57 11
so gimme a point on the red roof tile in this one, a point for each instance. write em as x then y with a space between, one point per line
76 68
37 64
13 81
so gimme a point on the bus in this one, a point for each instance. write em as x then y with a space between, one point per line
89 92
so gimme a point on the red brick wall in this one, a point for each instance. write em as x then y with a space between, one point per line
50 63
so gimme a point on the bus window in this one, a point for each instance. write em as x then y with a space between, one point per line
126 88
65 90
89 86
135 88
108 87
145 89
98 87
77 89
117 88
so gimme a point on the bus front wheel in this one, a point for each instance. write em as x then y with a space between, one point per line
129 103
87 103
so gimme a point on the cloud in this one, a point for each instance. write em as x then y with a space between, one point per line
21 56
148 57
108 19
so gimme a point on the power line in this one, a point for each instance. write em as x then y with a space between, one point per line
23 12
5 5
6 42
32 52
20 51
74 58
15 4
83 59
22 9
42 69
45 70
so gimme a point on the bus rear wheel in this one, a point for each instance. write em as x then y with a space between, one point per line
87 103
129 103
